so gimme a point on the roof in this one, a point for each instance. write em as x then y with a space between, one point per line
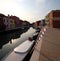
2 15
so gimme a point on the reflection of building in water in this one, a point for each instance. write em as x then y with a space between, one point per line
8 38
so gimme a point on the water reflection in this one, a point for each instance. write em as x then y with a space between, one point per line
6 38
9 41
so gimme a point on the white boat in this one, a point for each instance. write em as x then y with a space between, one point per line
20 52
24 47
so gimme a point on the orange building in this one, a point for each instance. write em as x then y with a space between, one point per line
53 18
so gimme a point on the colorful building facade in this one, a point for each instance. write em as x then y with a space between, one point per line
53 19
10 24
18 22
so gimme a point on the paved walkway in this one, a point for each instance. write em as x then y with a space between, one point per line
48 48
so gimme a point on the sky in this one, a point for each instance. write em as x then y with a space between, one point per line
30 10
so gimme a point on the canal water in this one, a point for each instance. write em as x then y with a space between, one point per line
9 41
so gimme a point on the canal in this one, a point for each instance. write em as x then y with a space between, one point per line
9 41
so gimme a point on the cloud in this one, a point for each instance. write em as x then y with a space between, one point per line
16 7
10 7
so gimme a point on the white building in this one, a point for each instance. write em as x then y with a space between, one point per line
7 22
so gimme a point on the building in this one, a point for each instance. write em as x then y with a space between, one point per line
18 22
38 24
12 24
9 22
43 22
26 24
2 25
53 19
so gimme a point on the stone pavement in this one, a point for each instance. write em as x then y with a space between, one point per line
48 48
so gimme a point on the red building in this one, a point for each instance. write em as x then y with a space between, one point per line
18 22
54 18
38 23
